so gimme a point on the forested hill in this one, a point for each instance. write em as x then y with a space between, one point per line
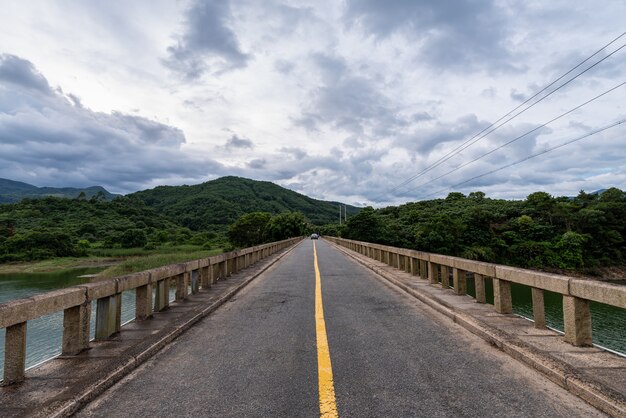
218 203
14 191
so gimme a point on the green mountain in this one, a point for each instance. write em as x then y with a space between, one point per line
218 203
14 191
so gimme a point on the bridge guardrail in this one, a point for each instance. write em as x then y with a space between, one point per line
437 268
75 302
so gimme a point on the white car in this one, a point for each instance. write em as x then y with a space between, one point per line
314 236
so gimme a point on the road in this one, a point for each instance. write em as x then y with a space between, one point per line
390 355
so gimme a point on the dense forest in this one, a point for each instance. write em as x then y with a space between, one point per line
35 229
216 204
573 233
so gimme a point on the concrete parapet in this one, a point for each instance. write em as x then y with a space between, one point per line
486 269
99 290
607 293
132 281
191 265
552 282
22 310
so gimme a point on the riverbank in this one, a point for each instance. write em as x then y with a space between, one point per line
117 261
57 264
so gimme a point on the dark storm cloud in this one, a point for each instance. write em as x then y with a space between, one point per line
347 101
257 163
453 34
236 142
50 139
207 44
22 74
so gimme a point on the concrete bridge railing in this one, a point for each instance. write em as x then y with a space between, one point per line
76 302
577 293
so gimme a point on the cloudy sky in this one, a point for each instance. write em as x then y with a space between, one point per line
343 100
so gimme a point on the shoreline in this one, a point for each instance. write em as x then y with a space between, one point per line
56 265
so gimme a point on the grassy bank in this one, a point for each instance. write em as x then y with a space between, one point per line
140 263
119 260
55 264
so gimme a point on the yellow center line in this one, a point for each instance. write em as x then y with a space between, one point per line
328 405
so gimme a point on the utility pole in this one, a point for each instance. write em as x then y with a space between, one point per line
340 214
345 213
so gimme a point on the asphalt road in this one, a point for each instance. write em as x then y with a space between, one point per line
391 356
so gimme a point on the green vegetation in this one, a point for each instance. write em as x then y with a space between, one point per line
260 227
216 204
580 233
37 229
146 262
183 219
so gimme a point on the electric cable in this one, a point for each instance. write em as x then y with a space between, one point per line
458 148
587 135
499 147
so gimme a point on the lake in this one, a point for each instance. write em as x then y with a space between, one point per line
43 340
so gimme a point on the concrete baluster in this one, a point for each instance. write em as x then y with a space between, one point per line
445 277
414 266
460 281
216 270
106 317
162 297
577 321
433 273
207 273
195 281
539 309
479 284
15 354
143 302
502 296
181 286
76 329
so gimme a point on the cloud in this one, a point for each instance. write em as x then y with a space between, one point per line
448 34
240 143
47 139
208 43
297 153
346 101
257 163
22 74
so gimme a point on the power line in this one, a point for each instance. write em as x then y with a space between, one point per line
597 131
519 137
472 141
458 148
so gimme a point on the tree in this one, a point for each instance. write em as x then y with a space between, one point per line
133 238
287 225
365 226
250 229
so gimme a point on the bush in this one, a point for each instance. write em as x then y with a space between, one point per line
133 238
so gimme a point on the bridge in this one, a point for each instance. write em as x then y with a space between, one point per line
316 328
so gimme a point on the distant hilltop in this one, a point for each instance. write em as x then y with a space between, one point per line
13 191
